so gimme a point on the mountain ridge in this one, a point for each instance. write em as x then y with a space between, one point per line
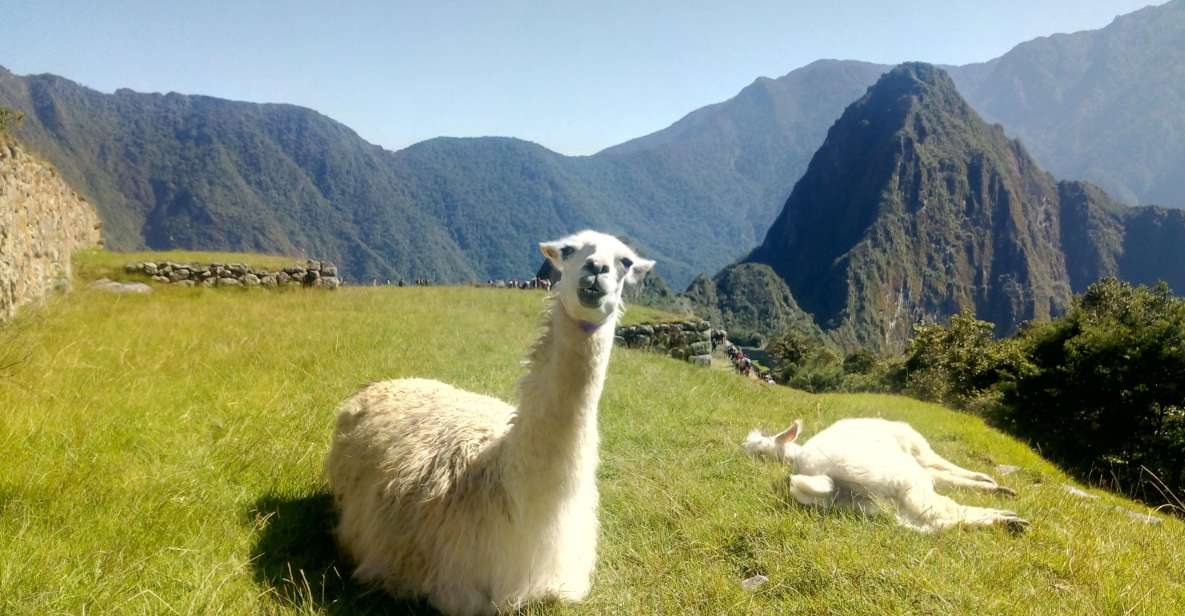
914 209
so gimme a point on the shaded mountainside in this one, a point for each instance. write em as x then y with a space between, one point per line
750 299
914 209
177 171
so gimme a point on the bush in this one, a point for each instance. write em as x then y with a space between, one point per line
9 118
811 363
961 364
1106 396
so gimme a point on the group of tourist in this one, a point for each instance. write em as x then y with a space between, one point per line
514 283
744 365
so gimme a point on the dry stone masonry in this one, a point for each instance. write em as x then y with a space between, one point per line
42 222
687 340
320 274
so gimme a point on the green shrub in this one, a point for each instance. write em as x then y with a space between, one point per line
960 363
9 118
1106 397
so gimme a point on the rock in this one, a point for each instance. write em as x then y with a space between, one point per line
641 340
646 329
330 282
312 265
110 286
228 282
209 282
700 348
251 280
1141 517
1006 469
268 280
311 277
159 278
283 278
701 360
133 268
328 269
678 353
1079 493
702 326
150 269
753 583
618 341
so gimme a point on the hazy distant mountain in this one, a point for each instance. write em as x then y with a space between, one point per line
1103 105
198 172
914 208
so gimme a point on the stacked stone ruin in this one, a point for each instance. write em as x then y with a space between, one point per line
319 274
686 340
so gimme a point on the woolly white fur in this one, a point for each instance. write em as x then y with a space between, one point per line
862 462
472 503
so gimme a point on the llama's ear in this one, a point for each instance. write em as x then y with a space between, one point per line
789 434
554 251
638 270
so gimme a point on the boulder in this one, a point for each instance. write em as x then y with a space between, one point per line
150 269
701 360
700 348
228 282
251 280
330 282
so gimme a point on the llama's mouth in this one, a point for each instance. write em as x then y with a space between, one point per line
590 297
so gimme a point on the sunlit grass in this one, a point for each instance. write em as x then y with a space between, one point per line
162 454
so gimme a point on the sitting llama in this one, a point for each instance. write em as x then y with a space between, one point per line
467 501
859 462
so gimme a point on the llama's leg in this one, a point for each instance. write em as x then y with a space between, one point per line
812 490
925 455
926 510
947 478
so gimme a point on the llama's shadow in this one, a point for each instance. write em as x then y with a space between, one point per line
296 560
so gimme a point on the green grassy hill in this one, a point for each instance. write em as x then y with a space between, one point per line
162 454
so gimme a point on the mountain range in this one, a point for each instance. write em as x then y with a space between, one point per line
182 171
915 208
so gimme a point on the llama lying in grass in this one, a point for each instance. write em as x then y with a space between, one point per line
860 462
472 503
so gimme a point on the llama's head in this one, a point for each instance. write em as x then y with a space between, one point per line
594 269
780 445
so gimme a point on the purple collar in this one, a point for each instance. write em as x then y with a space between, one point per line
589 327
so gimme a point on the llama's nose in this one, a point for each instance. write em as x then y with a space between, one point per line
593 267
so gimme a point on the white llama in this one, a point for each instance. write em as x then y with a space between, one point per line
860 462
470 502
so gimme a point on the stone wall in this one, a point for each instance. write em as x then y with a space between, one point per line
321 274
688 340
42 222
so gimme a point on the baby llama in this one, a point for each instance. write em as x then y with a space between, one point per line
471 503
858 462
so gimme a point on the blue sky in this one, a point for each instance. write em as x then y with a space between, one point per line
573 76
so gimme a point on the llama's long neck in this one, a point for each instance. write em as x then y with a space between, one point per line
552 444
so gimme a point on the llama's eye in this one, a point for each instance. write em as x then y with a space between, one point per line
566 252
628 263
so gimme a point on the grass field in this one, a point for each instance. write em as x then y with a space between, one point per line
162 454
